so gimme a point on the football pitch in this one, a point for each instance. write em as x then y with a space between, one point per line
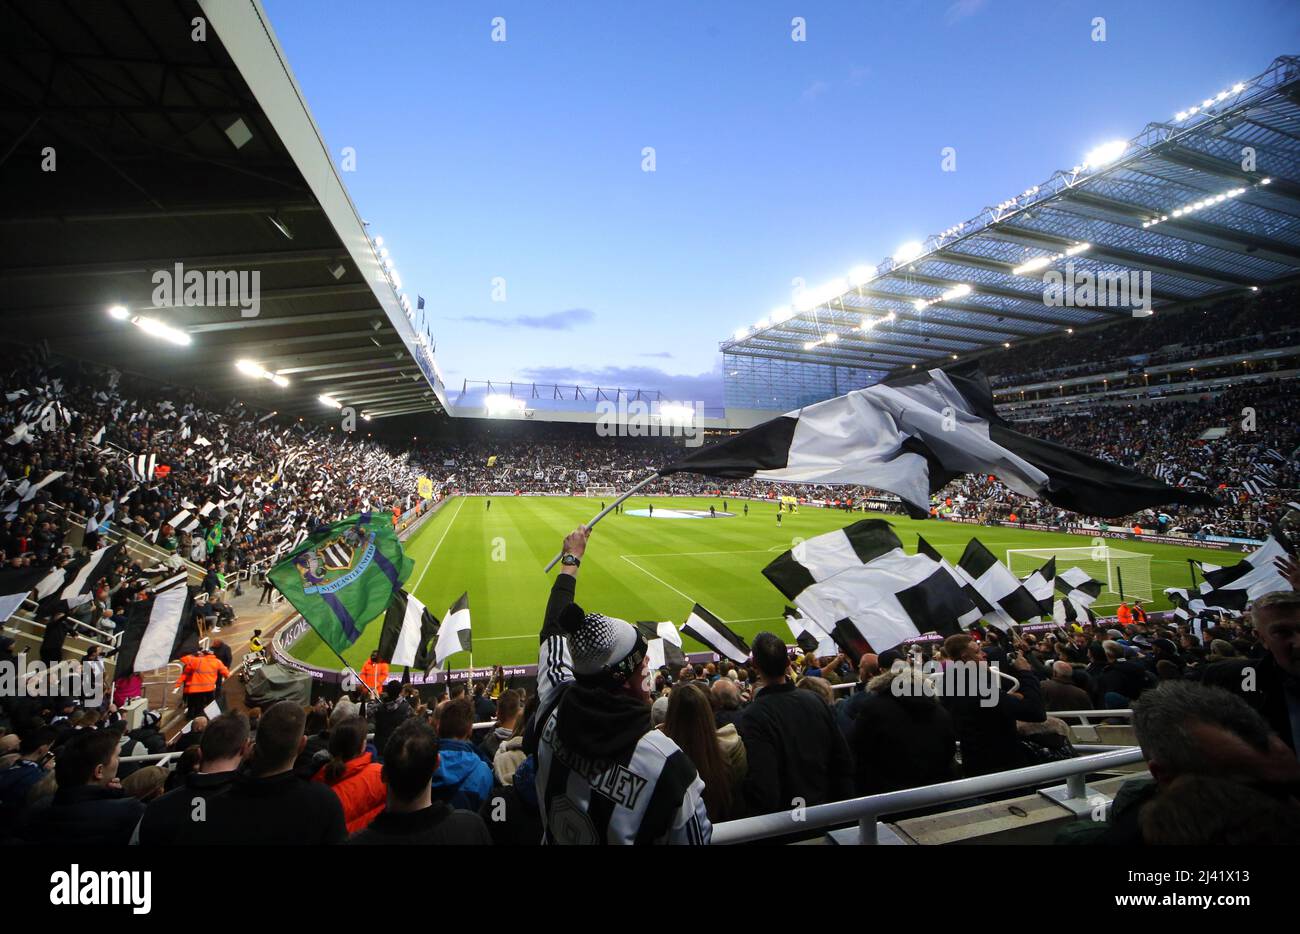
642 568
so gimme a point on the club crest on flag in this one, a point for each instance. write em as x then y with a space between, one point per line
334 563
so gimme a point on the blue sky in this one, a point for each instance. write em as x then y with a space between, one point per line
774 159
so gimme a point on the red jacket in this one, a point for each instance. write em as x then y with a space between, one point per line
361 791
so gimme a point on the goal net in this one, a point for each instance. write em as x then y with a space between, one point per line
601 491
1119 571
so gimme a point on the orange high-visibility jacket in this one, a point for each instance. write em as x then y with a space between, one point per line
374 675
1124 614
200 673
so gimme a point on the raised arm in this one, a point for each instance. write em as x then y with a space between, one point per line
553 667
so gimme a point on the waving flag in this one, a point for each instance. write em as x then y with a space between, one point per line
159 628
912 436
409 627
454 635
859 577
343 576
704 627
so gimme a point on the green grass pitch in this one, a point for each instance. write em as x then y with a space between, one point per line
639 568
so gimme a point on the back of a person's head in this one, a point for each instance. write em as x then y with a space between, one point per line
410 759
78 757
955 645
1165 719
820 687
224 737
1167 670
1223 648
34 738
726 693
770 656
457 719
347 741
279 737
508 705
392 690
317 721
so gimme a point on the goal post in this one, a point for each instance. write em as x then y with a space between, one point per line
600 491
1118 569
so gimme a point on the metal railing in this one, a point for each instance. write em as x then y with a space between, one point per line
867 810
1086 717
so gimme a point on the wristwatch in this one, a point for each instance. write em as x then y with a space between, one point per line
571 561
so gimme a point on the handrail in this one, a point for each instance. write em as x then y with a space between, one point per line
866 810
1087 716
118 533
161 758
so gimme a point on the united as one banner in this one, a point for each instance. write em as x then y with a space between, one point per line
343 576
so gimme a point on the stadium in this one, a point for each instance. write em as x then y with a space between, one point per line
272 543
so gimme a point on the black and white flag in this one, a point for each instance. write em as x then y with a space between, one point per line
158 628
183 521
143 467
1068 611
808 635
912 436
408 630
1255 575
861 575
1012 603
15 586
704 627
99 564
663 645
1076 584
454 633
1040 585
963 580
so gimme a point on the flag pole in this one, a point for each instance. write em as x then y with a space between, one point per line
350 670
600 515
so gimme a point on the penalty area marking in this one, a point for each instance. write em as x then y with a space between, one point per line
659 579
752 619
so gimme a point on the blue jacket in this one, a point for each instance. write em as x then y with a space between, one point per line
463 779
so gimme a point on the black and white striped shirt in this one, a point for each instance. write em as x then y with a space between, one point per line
647 792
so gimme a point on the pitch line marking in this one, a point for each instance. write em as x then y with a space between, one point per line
432 554
691 554
659 579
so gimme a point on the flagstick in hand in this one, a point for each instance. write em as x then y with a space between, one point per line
600 515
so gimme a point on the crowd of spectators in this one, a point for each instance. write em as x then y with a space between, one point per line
785 728
1229 326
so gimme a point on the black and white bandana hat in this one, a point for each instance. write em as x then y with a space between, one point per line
603 648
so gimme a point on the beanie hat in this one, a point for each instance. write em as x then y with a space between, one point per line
606 651
659 710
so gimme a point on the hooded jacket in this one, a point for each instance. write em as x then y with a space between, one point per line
901 739
388 717
463 779
510 755
361 790
603 775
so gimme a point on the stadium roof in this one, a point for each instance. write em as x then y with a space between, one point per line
1175 201
170 150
